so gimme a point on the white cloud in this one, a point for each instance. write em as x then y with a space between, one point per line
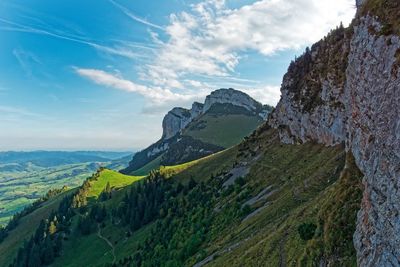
120 48
265 94
210 38
204 45
155 95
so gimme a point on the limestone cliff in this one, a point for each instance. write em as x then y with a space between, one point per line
372 107
234 97
174 121
346 88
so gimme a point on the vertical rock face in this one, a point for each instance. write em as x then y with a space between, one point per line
363 112
373 106
174 121
196 110
312 102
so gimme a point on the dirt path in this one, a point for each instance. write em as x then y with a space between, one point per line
108 242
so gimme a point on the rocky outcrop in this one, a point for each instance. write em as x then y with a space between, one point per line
196 110
312 102
174 121
361 110
231 96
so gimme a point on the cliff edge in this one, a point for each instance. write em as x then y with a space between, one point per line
346 88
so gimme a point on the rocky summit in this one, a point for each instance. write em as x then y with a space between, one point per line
178 118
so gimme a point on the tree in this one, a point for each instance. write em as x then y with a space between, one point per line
52 228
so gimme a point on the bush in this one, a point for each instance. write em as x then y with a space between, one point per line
307 230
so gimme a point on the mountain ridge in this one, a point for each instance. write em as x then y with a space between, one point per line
187 126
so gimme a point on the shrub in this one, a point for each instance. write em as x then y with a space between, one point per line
307 230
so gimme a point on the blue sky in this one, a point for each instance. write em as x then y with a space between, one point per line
100 74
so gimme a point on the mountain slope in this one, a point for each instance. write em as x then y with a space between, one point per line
26 227
224 219
222 121
219 126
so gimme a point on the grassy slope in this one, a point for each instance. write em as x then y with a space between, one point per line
207 166
154 164
225 130
28 224
92 251
308 187
116 180
26 227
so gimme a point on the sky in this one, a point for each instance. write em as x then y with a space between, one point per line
101 74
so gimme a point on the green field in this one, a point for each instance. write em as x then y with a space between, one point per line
23 183
19 189
116 180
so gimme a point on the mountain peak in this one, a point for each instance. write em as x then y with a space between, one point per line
178 118
231 96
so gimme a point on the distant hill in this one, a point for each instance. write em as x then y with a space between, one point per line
26 176
56 158
226 116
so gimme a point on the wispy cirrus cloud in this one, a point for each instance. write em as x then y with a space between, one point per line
117 49
134 17
26 60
